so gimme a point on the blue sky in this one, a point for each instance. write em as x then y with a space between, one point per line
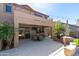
59 11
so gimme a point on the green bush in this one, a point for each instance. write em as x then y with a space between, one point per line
76 41
6 31
58 29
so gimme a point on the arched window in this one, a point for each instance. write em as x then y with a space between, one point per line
8 7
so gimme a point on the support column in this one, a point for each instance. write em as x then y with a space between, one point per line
30 33
50 32
16 32
45 31
16 37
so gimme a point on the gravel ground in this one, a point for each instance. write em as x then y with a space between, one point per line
33 48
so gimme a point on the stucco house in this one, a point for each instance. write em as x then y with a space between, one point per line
24 18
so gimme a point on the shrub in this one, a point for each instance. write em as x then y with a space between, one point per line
6 32
58 29
76 41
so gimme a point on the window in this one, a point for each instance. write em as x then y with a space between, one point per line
8 7
37 14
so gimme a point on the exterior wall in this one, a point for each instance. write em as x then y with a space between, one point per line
26 14
0 7
5 17
16 8
28 10
40 15
31 19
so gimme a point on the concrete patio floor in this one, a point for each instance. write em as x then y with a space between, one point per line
33 48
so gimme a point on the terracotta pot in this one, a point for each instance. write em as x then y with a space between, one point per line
66 40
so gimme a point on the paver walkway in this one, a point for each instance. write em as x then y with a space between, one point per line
33 48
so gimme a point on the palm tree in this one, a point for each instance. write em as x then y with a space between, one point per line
6 33
1 25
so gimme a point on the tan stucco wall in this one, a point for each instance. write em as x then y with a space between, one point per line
6 17
0 7
16 33
31 19
20 9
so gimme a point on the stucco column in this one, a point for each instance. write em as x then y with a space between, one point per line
16 37
51 33
16 32
30 33
46 31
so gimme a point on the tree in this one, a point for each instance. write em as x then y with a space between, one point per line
58 29
58 26
67 29
6 33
